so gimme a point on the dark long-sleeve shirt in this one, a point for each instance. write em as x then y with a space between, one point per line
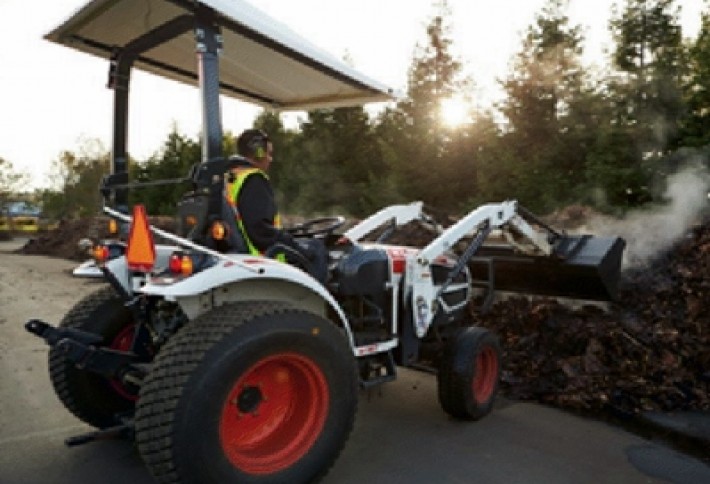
257 208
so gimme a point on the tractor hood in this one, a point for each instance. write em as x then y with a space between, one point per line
262 61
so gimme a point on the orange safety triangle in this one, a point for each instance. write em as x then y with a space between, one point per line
140 252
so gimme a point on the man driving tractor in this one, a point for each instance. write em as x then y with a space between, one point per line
250 194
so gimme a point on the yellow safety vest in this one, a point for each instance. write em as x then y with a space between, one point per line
232 194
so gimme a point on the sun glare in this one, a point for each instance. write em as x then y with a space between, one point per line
454 111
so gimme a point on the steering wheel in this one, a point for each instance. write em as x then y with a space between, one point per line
316 226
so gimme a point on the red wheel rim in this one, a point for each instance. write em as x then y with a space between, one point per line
123 342
486 377
274 413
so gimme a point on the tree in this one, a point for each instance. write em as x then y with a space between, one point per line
547 112
177 156
418 143
11 181
76 178
695 129
339 165
651 59
644 103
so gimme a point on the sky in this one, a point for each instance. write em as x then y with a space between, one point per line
53 98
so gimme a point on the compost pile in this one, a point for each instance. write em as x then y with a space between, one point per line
649 351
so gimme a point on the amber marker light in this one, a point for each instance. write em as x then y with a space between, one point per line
100 253
219 231
186 265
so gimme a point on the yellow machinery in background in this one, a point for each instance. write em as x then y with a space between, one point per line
20 217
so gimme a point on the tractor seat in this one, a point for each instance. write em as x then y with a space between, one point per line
193 224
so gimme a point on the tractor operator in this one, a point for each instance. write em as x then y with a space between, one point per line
250 194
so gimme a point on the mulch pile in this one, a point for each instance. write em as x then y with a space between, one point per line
648 351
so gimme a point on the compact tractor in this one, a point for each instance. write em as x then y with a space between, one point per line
225 366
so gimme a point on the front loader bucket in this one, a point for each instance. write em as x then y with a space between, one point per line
581 267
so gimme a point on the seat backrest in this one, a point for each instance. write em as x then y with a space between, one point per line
192 224
192 215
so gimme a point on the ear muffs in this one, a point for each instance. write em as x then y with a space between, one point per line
259 152
257 145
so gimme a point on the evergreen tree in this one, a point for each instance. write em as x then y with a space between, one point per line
651 59
417 143
696 124
178 155
644 103
547 110
340 168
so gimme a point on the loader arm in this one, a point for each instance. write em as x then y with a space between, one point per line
426 296
494 215
396 214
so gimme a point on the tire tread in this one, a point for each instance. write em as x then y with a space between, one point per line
171 370
60 369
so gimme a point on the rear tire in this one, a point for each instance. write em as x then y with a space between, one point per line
469 374
255 392
94 399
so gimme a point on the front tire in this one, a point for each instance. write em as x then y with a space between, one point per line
95 399
254 392
469 374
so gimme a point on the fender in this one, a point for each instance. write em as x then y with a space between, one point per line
238 278
119 267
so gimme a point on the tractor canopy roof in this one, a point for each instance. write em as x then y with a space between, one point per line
262 61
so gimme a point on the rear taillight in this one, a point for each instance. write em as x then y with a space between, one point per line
180 264
175 262
100 253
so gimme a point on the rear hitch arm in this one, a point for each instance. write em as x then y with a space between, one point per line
80 348
53 335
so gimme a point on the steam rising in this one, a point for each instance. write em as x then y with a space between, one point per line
650 232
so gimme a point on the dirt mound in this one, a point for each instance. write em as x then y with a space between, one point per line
64 240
